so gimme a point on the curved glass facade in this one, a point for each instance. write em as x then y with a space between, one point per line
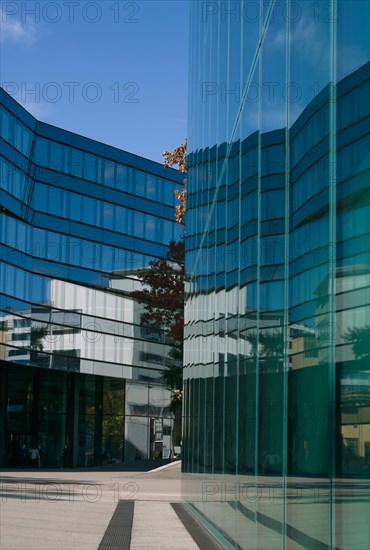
78 219
277 374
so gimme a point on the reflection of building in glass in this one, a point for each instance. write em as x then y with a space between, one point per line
78 219
277 391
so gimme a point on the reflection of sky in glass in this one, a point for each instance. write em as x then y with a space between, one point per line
219 81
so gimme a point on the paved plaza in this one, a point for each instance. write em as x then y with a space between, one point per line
98 509
73 509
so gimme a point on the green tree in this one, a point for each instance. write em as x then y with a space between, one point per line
163 292
163 295
163 299
38 333
359 338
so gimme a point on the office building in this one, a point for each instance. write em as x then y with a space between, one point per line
78 220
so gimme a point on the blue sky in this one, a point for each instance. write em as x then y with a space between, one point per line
115 71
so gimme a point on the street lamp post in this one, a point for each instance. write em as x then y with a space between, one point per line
149 427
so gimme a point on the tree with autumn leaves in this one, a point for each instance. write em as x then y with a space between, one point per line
178 157
163 295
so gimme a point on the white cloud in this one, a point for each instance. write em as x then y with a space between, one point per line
276 40
13 30
311 40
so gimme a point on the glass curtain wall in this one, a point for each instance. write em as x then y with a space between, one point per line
43 407
277 376
78 219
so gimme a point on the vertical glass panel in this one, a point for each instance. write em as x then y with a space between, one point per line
5 123
76 207
41 154
88 210
86 421
109 171
91 167
352 23
108 218
52 419
56 156
121 177
309 437
113 421
26 141
352 327
77 163
55 201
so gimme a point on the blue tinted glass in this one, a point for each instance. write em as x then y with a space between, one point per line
109 173
77 163
41 154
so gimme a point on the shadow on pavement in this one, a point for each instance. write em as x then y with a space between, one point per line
131 466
